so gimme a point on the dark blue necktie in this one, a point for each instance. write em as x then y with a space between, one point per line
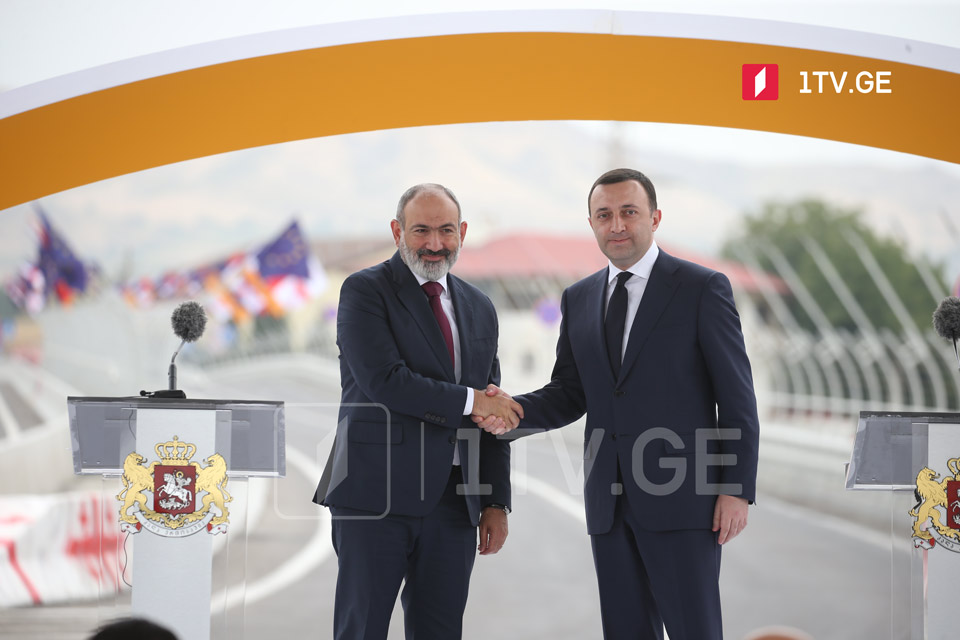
615 322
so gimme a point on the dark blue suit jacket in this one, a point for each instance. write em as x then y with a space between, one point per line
400 405
685 374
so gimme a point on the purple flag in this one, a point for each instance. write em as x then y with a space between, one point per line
57 261
287 255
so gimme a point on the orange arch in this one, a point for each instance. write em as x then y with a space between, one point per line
464 78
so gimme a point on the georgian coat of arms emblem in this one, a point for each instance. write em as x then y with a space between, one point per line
937 512
163 497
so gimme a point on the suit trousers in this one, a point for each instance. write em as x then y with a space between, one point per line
651 579
432 555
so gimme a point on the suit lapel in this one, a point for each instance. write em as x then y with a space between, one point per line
596 305
415 301
463 310
657 295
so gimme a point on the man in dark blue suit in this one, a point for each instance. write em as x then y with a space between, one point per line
651 349
411 478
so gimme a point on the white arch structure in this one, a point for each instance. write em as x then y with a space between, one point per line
496 66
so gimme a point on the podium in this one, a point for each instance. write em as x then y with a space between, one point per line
916 457
175 479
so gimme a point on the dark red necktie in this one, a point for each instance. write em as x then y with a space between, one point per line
433 291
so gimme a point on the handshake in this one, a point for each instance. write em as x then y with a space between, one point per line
495 411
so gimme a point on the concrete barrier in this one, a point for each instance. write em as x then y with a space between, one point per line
59 548
35 451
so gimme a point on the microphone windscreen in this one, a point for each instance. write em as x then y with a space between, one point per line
946 319
189 321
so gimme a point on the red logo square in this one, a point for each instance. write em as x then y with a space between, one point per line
760 82
953 504
174 489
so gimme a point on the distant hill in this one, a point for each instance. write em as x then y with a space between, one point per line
522 176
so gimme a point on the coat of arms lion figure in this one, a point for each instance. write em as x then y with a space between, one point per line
934 504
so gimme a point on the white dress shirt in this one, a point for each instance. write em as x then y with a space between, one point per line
446 302
635 286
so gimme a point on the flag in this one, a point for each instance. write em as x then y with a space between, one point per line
8 329
293 276
172 284
292 292
280 276
28 289
287 255
220 302
140 294
547 309
237 277
63 272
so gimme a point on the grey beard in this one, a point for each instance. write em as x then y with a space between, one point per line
432 271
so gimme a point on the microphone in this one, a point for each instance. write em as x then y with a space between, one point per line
946 322
188 321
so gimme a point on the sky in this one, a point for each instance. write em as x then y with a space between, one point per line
41 39
45 38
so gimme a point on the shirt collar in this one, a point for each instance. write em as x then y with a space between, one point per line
641 268
442 281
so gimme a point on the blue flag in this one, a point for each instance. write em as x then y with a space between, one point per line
57 261
287 255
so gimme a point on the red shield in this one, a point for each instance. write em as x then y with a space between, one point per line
953 504
174 488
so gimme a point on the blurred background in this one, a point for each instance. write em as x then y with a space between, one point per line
838 256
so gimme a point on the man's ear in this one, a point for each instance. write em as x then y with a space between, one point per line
397 230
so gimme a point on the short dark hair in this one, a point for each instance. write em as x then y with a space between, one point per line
417 189
127 628
624 175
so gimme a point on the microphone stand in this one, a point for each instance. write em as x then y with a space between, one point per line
171 391
172 371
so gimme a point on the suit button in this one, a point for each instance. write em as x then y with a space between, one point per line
613 436
453 440
618 392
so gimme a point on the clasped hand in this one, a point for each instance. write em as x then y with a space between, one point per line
495 411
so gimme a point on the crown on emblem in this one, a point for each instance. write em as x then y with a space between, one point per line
175 452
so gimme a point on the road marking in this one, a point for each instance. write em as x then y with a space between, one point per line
319 548
312 555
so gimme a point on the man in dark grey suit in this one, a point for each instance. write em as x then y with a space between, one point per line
651 349
411 478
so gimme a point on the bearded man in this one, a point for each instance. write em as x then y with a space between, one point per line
411 478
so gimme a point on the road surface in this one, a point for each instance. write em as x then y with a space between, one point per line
791 566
